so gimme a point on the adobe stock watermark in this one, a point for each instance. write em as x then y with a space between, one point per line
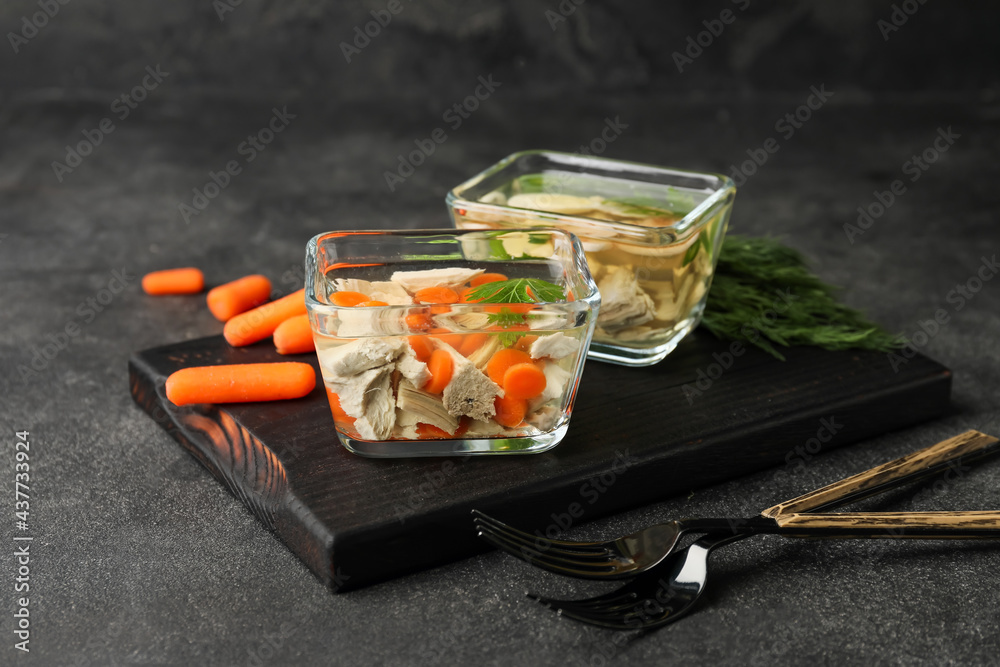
372 29
958 297
249 149
31 25
566 9
707 376
786 126
223 7
696 44
454 116
914 168
44 351
590 491
122 106
900 14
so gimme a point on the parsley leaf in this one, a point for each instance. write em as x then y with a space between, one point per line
520 290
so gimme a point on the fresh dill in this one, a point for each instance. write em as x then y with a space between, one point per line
764 294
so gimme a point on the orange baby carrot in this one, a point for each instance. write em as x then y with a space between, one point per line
238 296
423 348
436 295
348 299
174 281
240 383
294 336
484 278
524 381
501 360
440 366
510 411
259 323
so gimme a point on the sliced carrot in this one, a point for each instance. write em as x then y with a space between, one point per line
440 366
348 299
524 343
524 381
463 296
520 308
501 360
423 348
174 281
227 301
509 327
436 295
445 336
432 431
259 323
472 342
339 415
484 278
419 321
294 336
372 304
240 383
510 411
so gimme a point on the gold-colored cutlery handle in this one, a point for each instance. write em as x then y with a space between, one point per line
961 445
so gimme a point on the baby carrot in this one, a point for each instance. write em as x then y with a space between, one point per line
174 281
436 295
524 381
440 366
348 299
501 360
259 323
510 411
423 348
238 296
240 383
484 278
294 336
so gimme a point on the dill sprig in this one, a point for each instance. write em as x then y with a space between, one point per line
764 294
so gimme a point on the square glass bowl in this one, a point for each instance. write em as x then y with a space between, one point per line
652 237
417 363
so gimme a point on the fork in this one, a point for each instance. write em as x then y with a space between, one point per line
665 593
638 552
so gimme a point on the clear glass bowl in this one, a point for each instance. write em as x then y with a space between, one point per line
414 366
651 235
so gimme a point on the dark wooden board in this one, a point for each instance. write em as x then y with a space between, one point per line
355 521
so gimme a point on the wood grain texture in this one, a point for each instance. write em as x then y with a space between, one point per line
634 438
960 445
980 520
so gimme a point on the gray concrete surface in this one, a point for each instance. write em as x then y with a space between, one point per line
140 557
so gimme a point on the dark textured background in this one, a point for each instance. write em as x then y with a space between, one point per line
140 557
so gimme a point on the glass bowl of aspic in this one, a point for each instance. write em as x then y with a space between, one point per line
651 235
445 342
